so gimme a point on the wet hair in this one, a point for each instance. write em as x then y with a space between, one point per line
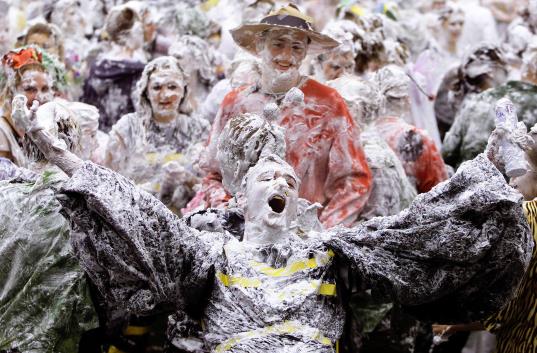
486 54
119 22
50 30
142 103
450 10
192 48
362 97
393 84
245 139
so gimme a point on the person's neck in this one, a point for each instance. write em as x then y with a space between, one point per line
164 118
261 234
451 45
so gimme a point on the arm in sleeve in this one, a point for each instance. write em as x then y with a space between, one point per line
212 192
431 169
454 255
452 144
349 180
142 258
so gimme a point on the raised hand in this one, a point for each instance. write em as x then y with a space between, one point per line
24 118
506 143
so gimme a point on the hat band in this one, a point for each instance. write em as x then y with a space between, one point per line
287 20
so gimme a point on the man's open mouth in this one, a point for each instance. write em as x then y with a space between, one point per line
277 203
283 66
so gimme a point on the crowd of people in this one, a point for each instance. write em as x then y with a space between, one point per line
264 176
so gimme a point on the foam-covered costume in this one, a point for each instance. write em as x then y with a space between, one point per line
416 150
276 289
150 151
323 141
45 301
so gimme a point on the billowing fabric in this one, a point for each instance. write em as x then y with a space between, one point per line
453 256
323 147
109 86
392 191
7 169
472 127
449 254
44 300
417 152
515 326
427 71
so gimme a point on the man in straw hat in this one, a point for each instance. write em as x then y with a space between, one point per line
323 142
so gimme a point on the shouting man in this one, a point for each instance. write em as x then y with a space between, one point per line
323 142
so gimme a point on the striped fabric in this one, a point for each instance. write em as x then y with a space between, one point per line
515 325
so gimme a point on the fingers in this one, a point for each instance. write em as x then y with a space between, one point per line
35 106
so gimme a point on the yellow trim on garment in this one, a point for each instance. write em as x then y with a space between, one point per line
114 349
326 289
209 4
287 327
244 282
136 330
152 157
292 268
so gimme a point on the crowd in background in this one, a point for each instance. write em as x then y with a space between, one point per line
411 86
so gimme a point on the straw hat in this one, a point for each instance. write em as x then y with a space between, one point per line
288 17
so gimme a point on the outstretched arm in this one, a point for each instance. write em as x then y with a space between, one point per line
454 255
138 253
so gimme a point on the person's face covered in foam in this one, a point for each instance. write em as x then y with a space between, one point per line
165 92
35 85
271 190
284 50
338 64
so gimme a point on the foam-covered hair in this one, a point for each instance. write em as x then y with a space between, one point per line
246 139
362 97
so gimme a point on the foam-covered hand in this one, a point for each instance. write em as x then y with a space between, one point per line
505 145
24 118
521 137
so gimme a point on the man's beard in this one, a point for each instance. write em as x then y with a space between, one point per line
276 81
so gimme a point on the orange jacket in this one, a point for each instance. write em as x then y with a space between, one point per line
323 146
421 159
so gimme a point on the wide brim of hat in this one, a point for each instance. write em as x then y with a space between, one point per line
246 37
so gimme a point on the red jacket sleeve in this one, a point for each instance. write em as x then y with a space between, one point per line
212 192
349 180
430 167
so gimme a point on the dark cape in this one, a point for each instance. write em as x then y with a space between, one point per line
455 255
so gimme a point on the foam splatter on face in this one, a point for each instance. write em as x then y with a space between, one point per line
455 24
165 92
338 64
281 57
35 85
271 190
